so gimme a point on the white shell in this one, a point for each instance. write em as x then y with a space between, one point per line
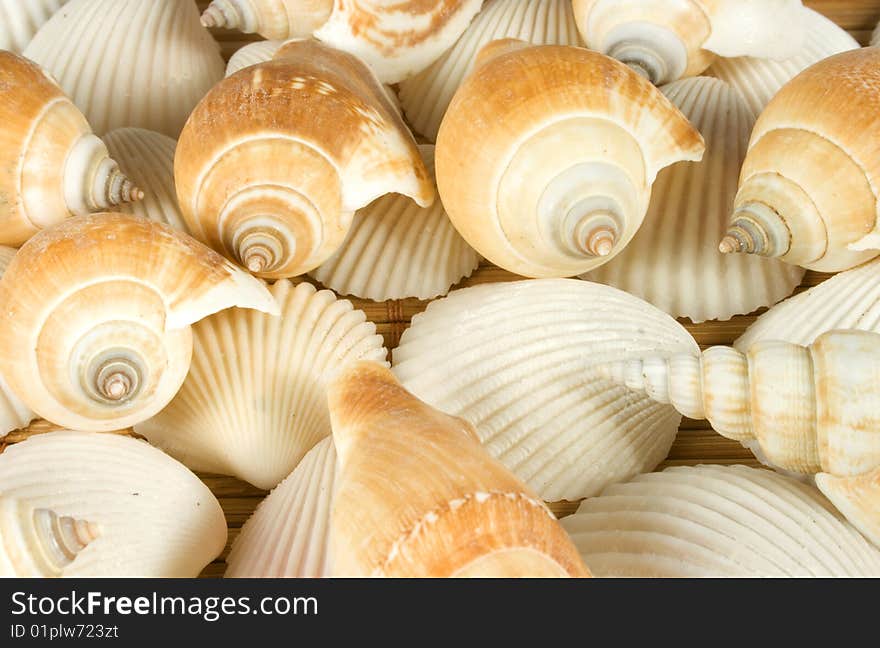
288 534
758 80
253 403
13 413
396 249
147 158
673 261
20 20
520 361
251 54
156 518
129 62
716 521
426 96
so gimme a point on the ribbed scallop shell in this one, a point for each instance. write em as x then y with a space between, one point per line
288 534
673 261
156 518
20 20
426 96
129 62
520 361
14 414
253 403
251 54
715 521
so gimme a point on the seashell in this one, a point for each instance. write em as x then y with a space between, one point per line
272 19
717 521
426 96
252 54
419 497
272 179
94 333
254 401
665 41
13 413
544 175
396 249
759 79
164 61
20 20
807 191
148 159
858 498
145 514
673 261
521 362
288 534
51 164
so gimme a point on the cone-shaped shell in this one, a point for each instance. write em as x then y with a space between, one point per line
254 401
396 249
417 496
129 62
288 535
546 156
673 261
521 362
716 521
275 160
153 516
858 498
273 19
20 20
94 333
14 414
251 54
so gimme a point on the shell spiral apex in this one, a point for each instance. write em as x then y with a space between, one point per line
272 19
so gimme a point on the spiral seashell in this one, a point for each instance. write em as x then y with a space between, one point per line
144 514
94 332
288 534
673 261
759 79
546 156
808 189
254 401
858 498
130 62
417 496
276 159
396 249
426 96
13 413
252 54
521 362
20 20
51 165
272 19
717 521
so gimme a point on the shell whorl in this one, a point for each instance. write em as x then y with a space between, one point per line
272 19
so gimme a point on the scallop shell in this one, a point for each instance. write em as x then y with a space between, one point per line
94 333
20 20
716 521
858 498
288 534
426 96
673 261
163 61
252 54
396 249
273 19
13 413
253 403
521 362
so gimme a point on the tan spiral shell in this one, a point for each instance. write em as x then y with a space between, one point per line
20 20
272 19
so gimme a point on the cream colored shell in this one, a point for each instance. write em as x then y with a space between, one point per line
673 261
14 414
254 401
251 54
521 362
20 20
858 498
272 19
129 62
717 521
153 517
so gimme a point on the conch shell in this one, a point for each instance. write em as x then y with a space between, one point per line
809 186
665 41
51 164
417 496
272 19
13 413
717 521
120 507
254 400
546 156
20 20
130 62
94 332
275 160
251 54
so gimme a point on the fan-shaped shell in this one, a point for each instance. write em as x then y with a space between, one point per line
858 498
673 261
521 362
426 96
20 20
94 333
251 54
13 413
129 62
288 534
716 521
254 402
272 19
